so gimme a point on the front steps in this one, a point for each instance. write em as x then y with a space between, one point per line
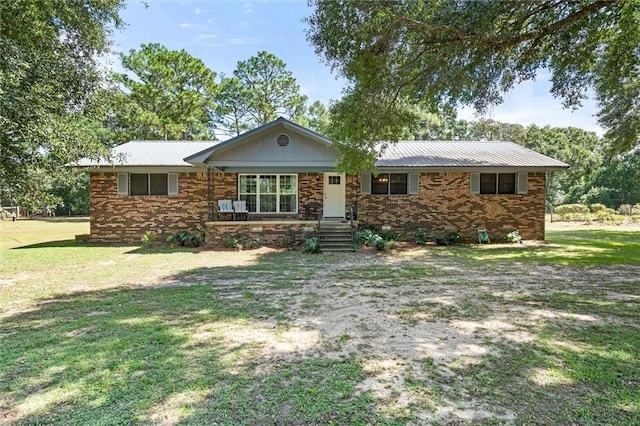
335 236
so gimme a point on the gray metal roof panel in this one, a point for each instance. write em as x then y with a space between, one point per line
464 154
151 153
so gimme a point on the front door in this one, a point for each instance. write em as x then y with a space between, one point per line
334 195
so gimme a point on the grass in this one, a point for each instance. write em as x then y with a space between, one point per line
544 334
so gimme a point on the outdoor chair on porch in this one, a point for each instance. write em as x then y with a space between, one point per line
483 235
225 207
240 208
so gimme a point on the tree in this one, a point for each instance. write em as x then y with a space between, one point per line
470 52
271 90
48 71
232 106
172 95
579 148
319 118
618 182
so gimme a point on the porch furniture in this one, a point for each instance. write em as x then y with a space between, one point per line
240 208
483 235
225 207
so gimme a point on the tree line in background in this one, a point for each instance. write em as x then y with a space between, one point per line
408 67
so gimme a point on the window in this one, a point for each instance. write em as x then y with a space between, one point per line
148 183
334 180
269 193
389 183
497 183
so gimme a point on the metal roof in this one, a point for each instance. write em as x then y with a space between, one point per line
150 153
436 154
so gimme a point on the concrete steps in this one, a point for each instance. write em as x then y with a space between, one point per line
335 236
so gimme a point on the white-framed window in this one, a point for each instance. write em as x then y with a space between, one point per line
269 193
147 183
499 183
390 184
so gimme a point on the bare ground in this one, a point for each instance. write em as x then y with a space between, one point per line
411 317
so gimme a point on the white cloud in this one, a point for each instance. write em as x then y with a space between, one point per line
237 41
248 8
198 11
206 36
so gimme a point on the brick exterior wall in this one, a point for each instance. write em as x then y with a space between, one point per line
444 203
125 218
271 234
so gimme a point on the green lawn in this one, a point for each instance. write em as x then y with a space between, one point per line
524 334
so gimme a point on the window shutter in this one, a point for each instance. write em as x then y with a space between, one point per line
522 183
365 183
475 183
413 182
123 183
172 182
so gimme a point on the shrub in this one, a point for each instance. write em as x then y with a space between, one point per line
513 237
635 210
362 237
572 208
625 209
369 238
312 245
183 237
148 238
452 237
597 207
421 236
605 215
240 241
231 241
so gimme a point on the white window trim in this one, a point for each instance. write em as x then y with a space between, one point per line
124 179
371 177
521 180
257 193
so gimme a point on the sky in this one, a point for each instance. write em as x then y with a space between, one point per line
221 33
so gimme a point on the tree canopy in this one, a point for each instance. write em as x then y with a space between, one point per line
48 72
260 90
399 54
166 94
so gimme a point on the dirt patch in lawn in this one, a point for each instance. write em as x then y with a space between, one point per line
415 321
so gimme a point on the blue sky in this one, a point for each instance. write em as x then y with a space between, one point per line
221 33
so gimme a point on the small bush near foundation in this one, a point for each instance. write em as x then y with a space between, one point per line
184 237
312 245
240 241
369 238
453 237
422 236
513 237
147 239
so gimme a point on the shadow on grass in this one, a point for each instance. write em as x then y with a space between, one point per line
162 355
138 250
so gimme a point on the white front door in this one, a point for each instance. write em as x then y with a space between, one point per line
334 195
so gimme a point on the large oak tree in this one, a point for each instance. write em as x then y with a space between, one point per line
48 73
399 54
